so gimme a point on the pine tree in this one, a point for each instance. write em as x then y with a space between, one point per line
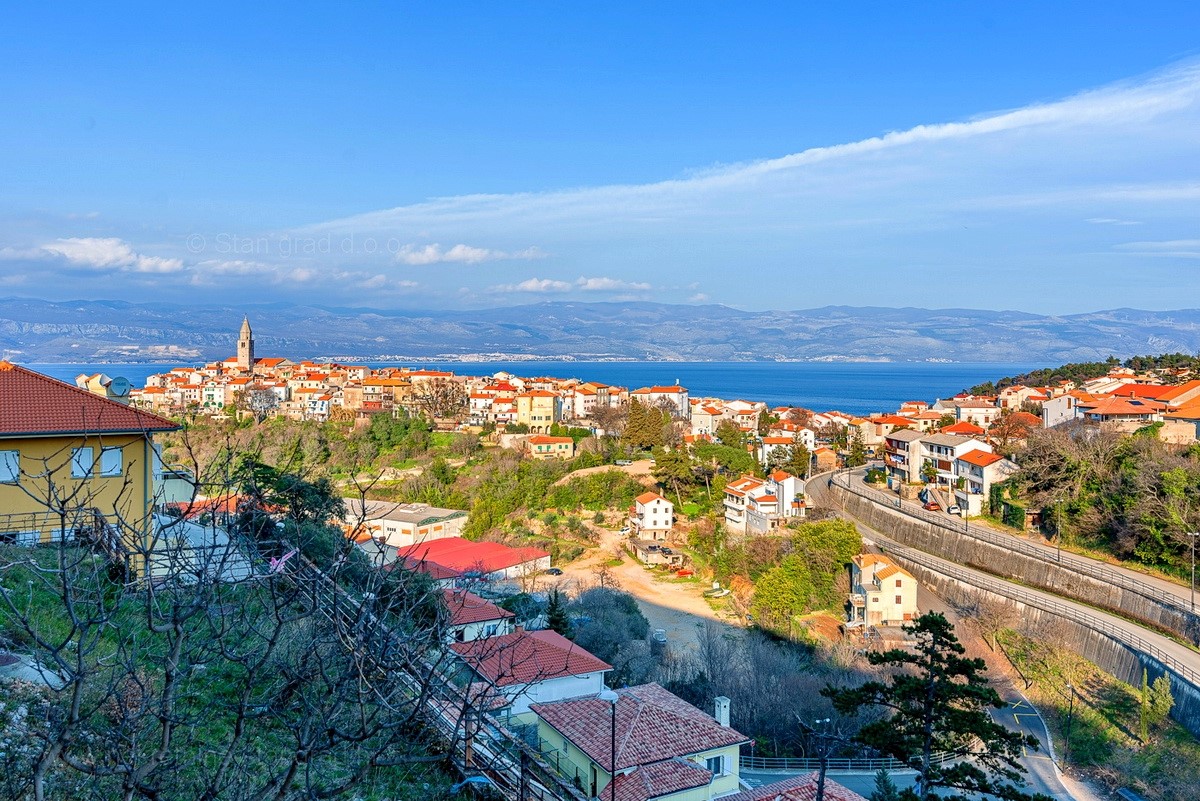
556 614
858 450
885 788
939 702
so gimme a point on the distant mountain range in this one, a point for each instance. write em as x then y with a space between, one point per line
113 331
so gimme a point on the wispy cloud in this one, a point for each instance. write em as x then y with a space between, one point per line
96 253
1111 221
581 284
460 254
538 285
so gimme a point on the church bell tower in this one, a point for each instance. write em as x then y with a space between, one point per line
245 348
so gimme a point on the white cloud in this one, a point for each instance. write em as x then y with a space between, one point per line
581 284
534 285
460 254
1110 221
98 253
699 297
609 285
1170 248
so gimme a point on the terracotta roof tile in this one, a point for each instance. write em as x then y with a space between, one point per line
37 404
467 607
797 788
528 656
653 725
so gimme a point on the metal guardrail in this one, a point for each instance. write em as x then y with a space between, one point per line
805 764
1083 566
1016 593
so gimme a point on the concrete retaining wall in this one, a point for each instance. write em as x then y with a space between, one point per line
1109 655
991 558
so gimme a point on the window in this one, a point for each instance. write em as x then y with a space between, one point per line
10 467
112 461
899 599
899 583
83 461
715 765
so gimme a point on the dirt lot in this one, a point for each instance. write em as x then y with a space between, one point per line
639 470
674 605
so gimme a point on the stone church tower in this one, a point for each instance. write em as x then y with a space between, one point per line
245 353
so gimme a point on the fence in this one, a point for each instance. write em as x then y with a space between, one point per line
1085 567
807 764
481 746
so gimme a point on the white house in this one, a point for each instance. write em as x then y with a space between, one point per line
744 495
941 450
473 618
651 516
977 471
528 667
881 592
676 396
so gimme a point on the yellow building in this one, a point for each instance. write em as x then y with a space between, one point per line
539 410
665 747
73 463
542 446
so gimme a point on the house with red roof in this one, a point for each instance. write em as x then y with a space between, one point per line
58 441
473 618
528 667
676 397
487 560
976 472
881 592
539 409
544 446
743 495
665 748
651 516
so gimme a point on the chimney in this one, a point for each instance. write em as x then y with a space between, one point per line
721 713
519 628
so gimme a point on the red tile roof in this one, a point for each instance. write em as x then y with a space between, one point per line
37 405
649 497
659 779
980 458
653 725
965 428
463 555
797 788
527 656
542 439
467 607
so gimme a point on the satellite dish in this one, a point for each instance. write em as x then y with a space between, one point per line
120 386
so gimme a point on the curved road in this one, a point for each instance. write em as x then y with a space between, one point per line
1043 775
1161 590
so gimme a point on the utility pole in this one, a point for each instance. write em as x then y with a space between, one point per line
1070 720
1058 527
1192 536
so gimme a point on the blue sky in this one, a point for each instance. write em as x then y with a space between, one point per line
1033 156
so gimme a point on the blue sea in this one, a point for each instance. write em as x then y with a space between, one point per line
855 388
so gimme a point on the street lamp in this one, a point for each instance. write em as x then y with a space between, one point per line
612 698
1192 535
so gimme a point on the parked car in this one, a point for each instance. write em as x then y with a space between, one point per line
667 550
623 462
553 571
625 530
933 506
954 509
652 548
